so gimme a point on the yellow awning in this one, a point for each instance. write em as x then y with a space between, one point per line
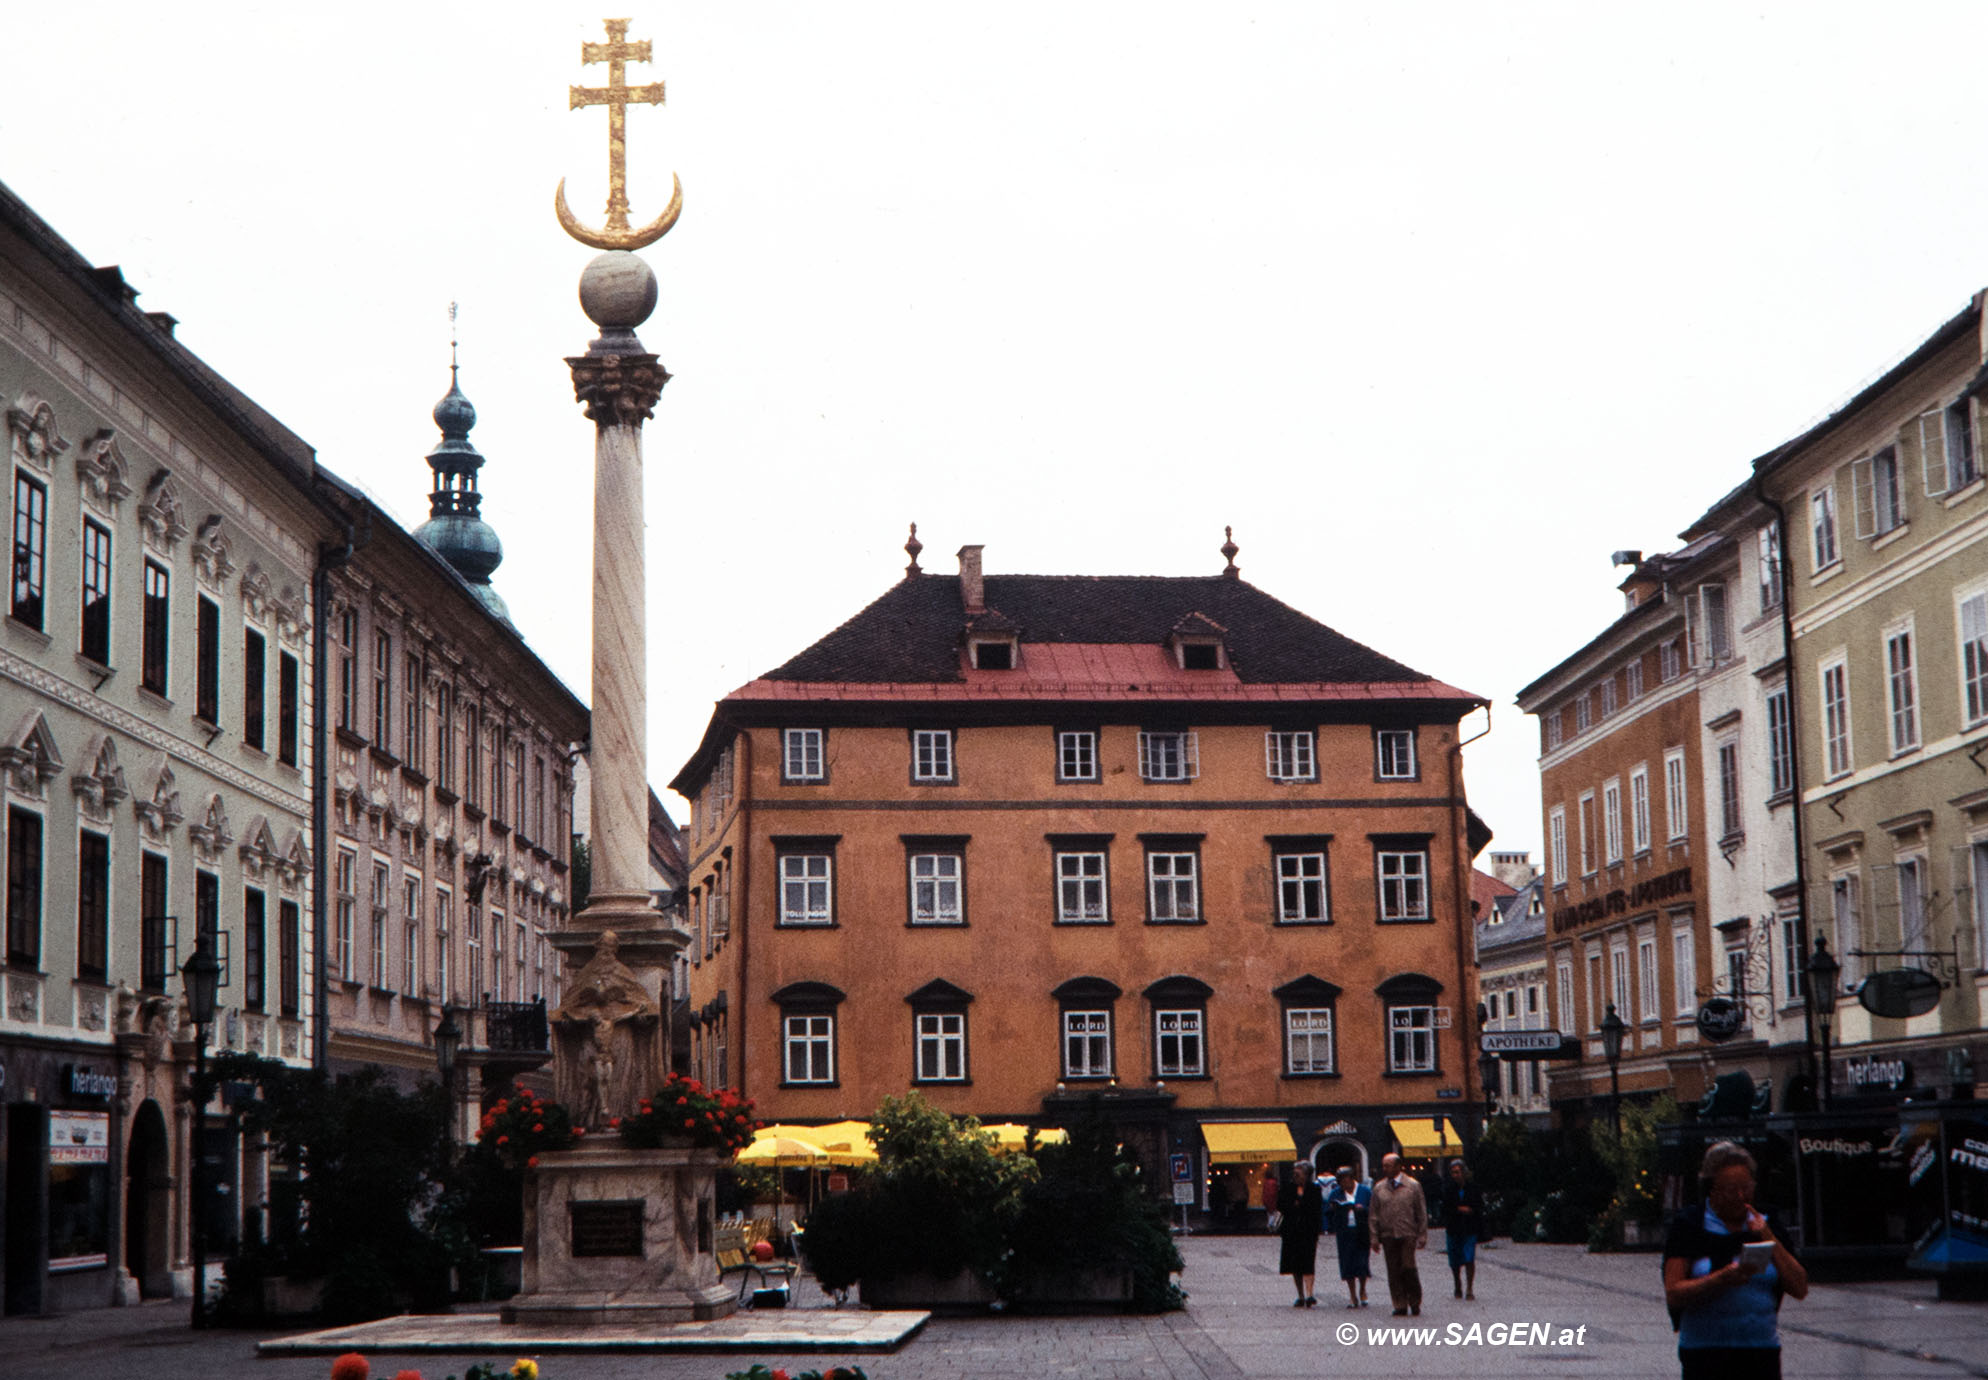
1247 1142
1419 1137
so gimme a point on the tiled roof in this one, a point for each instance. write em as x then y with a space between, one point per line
911 635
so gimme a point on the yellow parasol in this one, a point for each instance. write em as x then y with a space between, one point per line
806 1133
779 1152
1011 1137
847 1142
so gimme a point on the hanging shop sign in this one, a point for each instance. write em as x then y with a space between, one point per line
1529 1044
1899 993
1719 1019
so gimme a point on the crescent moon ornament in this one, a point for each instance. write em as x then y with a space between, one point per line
617 96
611 237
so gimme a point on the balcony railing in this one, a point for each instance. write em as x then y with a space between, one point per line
515 1027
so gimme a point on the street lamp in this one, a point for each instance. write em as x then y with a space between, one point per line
1487 1075
448 1040
202 976
1612 1030
1822 974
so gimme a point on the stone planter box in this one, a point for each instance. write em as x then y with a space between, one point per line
1079 1291
286 1296
957 1293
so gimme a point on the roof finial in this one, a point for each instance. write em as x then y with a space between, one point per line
452 341
1229 549
912 548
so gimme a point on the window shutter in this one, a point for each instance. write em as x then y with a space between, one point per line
1960 443
1974 619
1863 498
1930 428
1190 752
1271 766
1146 756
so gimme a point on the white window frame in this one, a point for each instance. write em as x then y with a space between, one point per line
1677 812
798 870
1556 828
1556 730
1619 986
346 878
1961 469
1792 957
938 887
1780 743
1971 633
1078 871
1669 662
1901 687
1684 972
932 755
444 904
1403 875
1639 808
1308 1028
1394 755
1087 1051
1611 820
1290 756
1632 681
1563 977
1582 713
1585 818
1715 625
1173 886
1411 1038
803 754
1170 755
1846 918
411 892
1608 697
807 1045
1910 872
1593 962
1732 820
382 890
941 1046
1838 749
1180 1046
1302 879
1823 548
1767 549
1651 1003
1878 494
1076 755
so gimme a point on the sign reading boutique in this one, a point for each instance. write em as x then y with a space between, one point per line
1648 892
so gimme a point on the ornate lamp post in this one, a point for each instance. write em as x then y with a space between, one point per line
1612 1029
1822 971
1487 1074
448 1041
202 975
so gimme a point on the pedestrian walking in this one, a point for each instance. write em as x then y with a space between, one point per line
1725 1273
1347 1210
1303 1208
1400 1219
1463 1220
1271 1188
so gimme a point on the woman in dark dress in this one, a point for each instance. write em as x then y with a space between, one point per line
1347 1211
1463 1219
1303 1206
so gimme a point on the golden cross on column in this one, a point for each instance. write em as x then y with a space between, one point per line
617 53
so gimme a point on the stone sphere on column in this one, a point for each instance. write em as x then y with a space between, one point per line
617 290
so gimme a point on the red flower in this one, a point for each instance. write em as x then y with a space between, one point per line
503 1140
532 1163
579 1131
779 1374
614 1123
689 1125
407 1375
538 1126
350 1366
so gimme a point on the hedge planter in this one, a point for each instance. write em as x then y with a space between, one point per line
963 1292
1099 1289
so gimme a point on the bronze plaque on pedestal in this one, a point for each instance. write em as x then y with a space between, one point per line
609 1227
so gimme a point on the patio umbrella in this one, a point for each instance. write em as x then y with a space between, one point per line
847 1142
806 1133
1010 1137
778 1153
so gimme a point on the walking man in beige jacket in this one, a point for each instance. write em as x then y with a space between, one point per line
1400 1219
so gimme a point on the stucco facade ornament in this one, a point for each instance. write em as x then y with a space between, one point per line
618 390
213 561
99 790
255 594
31 434
24 998
159 514
29 759
160 814
258 848
295 865
211 836
607 1050
291 624
125 1002
104 474
92 1009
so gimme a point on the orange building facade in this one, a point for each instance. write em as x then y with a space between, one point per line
1162 848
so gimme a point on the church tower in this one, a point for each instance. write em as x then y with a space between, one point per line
455 530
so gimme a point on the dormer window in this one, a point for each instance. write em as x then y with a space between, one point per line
1200 656
1196 643
994 653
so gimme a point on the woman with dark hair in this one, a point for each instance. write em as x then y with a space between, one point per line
1463 1219
1347 1210
1303 1208
1725 1273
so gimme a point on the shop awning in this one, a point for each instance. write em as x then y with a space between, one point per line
1419 1137
1247 1142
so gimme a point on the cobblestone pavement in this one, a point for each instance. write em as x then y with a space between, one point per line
1238 1323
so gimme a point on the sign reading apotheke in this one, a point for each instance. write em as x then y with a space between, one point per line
1529 1044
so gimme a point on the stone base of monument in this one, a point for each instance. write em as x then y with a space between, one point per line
616 1237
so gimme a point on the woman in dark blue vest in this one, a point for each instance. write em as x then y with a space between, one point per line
1347 1209
1723 1304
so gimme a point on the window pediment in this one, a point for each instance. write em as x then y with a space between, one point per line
1306 991
939 993
1083 989
1409 987
816 994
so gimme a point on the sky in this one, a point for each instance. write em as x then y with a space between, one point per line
1436 304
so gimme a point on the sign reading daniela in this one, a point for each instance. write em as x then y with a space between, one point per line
1621 901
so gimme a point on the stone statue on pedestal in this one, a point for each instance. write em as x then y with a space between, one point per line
607 1046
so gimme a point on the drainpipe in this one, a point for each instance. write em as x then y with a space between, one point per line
1460 875
330 557
1794 768
735 1020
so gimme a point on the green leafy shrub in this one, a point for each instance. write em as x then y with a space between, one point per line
1088 1205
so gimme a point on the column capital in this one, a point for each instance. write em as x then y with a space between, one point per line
617 389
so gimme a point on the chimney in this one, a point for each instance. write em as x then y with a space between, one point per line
972 590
